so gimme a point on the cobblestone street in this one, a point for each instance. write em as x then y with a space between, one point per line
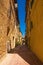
21 55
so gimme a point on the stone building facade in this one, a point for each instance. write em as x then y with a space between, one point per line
34 23
8 24
3 26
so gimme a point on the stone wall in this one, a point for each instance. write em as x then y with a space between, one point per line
36 27
3 26
7 23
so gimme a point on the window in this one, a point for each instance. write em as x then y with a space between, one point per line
15 1
31 4
31 25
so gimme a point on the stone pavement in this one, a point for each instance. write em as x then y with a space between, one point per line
21 55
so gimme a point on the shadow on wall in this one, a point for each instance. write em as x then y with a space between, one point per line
26 54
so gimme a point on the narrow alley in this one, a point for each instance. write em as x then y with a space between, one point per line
21 55
21 32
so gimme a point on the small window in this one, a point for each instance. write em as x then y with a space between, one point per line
32 3
31 25
16 5
15 1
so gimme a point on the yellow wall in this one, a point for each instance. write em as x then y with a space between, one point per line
36 39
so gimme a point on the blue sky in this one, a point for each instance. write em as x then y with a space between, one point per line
22 14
